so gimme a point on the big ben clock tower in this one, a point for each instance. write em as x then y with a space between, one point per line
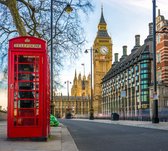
102 61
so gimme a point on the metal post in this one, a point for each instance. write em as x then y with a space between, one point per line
68 89
67 82
155 118
91 109
52 110
91 116
76 104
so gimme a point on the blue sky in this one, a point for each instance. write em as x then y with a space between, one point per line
125 19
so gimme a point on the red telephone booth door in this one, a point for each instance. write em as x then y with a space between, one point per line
26 90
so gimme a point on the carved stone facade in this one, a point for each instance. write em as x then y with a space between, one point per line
78 106
81 85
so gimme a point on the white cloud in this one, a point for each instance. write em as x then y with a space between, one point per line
145 4
139 4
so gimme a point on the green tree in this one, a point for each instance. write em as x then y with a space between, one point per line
32 17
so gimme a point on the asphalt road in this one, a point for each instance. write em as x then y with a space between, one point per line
90 136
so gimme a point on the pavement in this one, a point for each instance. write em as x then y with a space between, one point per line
61 139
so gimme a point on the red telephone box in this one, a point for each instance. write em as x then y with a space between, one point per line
28 88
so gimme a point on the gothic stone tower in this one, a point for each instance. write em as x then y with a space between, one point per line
81 85
102 61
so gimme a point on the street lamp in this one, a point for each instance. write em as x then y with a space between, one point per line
68 9
67 82
155 118
91 116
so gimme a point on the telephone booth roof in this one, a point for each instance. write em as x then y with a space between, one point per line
27 43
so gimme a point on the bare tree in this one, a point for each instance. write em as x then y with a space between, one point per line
32 17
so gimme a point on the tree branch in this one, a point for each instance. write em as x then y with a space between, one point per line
4 2
16 17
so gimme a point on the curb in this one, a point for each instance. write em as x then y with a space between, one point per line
67 141
142 124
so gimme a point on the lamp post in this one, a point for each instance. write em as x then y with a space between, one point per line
67 82
68 9
155 118
91 116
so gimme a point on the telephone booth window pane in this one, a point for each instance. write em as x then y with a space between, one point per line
24 121
32 84
26 112
37 86
23 59
26 76
25 94
26 67
25 104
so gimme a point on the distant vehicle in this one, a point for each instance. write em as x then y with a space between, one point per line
68 116
53 121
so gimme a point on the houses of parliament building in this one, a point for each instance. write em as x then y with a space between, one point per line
79 102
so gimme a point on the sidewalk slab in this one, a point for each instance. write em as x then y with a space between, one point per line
60 140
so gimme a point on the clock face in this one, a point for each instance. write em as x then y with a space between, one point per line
104 50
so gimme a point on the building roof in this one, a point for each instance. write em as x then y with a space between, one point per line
103 34
128 61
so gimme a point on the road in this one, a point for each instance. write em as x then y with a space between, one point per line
91 136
